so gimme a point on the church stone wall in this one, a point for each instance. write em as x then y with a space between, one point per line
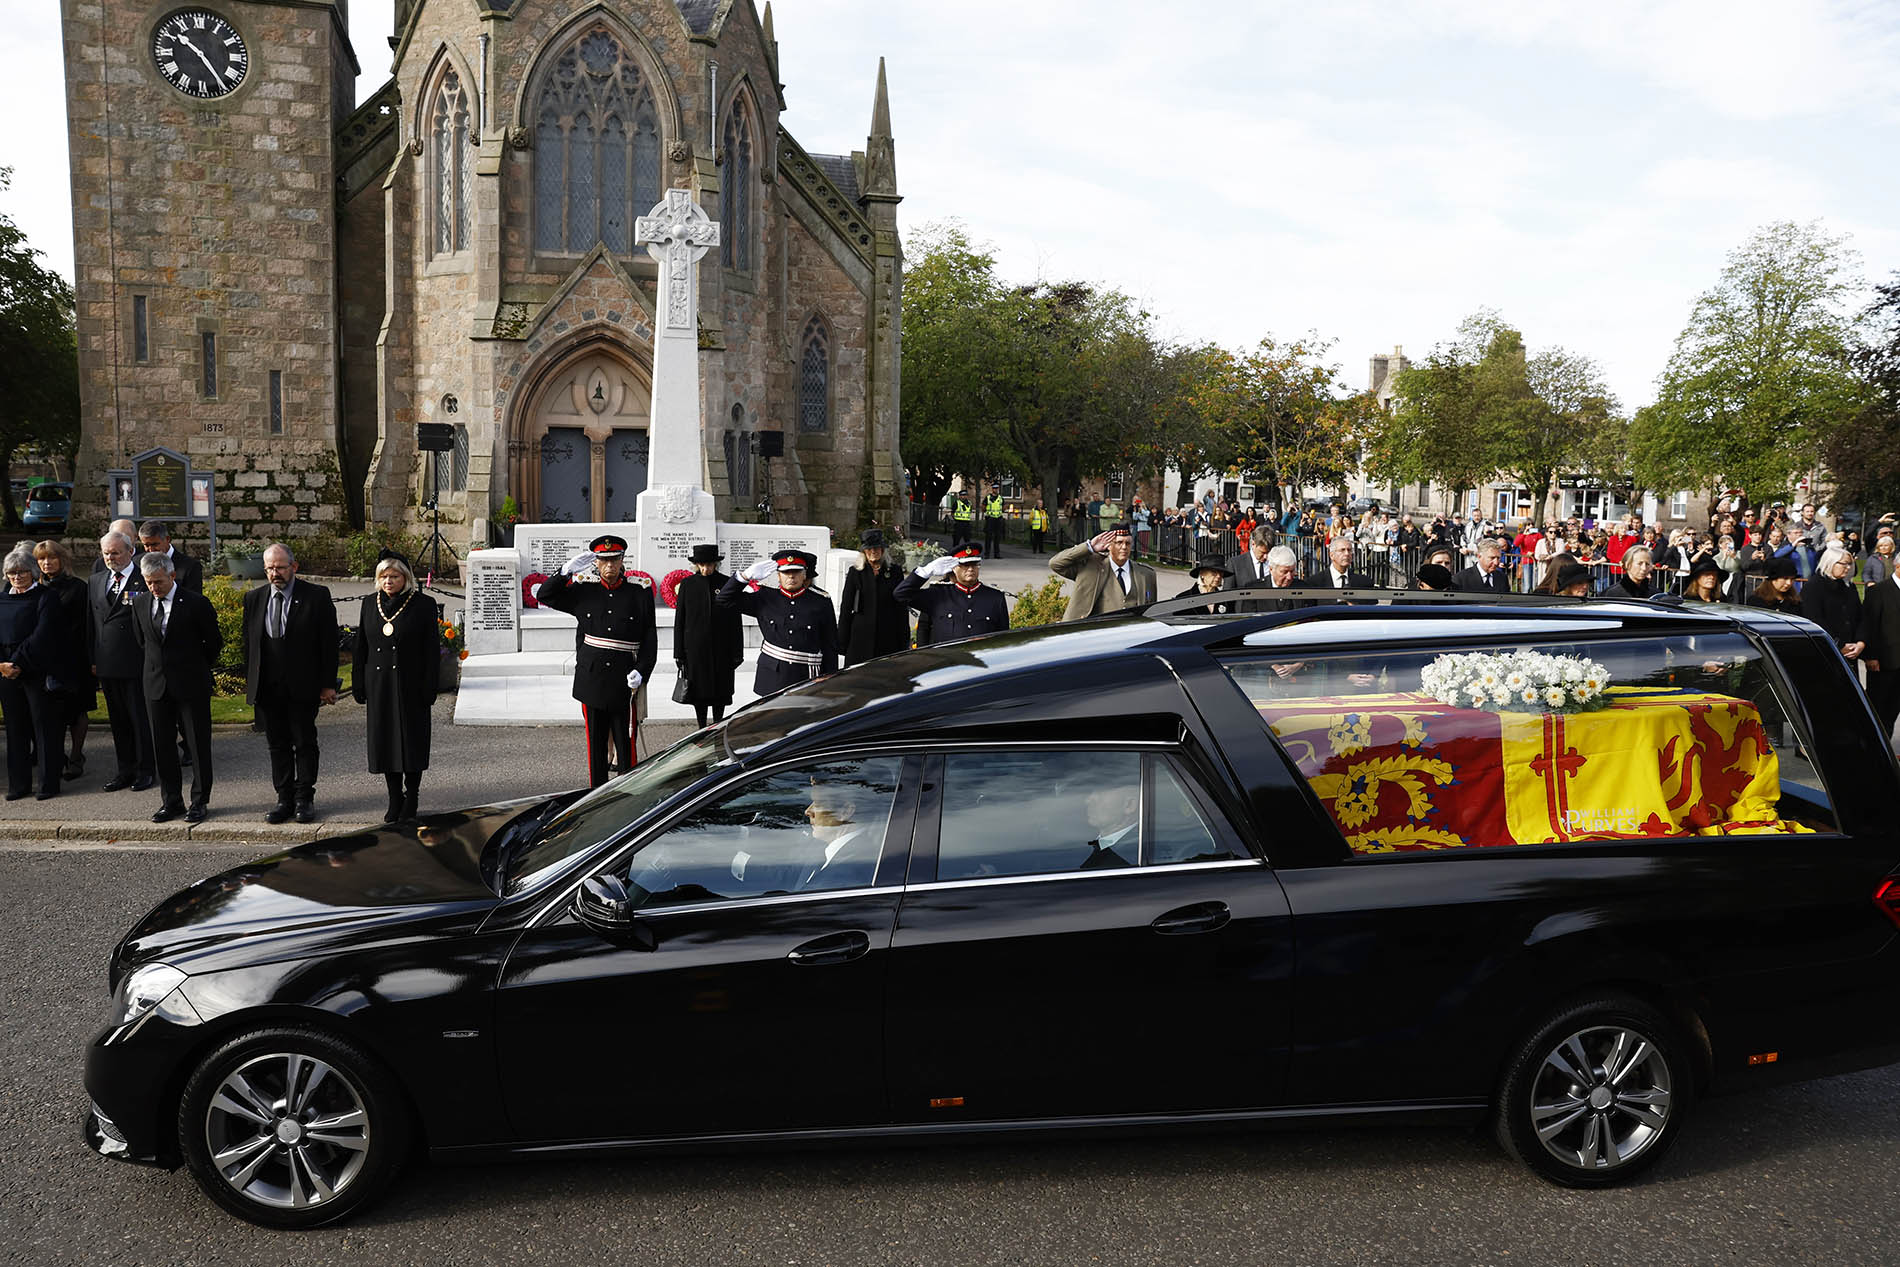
220 214
832 463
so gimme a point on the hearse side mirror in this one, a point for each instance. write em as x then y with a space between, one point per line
602 904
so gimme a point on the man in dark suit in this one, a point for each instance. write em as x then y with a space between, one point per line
1250 566
130 531
155 537
1487 575
290 656
118 661
178 630
1339 574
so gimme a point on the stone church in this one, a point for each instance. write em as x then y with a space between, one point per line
283 284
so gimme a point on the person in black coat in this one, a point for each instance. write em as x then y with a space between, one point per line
616 644
80 693
1777 593
119 661
155 537
708 639
1830 601
31 633
1211 575
1639 575
1487 575
1880 633
394 676
290 658
871 622
1339 574
178 631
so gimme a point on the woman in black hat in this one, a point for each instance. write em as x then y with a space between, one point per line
708 640
1573 580
1705 582
1210 574
871 622
1432 576
1777 593
395 668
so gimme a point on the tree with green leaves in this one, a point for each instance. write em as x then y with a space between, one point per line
1285 413
955 332
39 359
1863 454
1760 376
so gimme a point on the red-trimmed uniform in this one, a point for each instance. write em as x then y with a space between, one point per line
615 634
954 610
798 630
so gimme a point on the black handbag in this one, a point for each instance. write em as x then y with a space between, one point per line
680 687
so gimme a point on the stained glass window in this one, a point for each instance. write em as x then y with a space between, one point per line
594 172
814 378
735 192
453 163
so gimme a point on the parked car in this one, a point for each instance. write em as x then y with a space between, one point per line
48 506
1158 871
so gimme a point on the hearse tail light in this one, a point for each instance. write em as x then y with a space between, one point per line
1887 898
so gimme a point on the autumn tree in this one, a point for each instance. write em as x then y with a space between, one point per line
1283 412
1760 376
1863 453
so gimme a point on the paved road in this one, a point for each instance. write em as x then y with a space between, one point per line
1800 1175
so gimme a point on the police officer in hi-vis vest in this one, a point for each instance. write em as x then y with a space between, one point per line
962 520
615 645
993 525
798 629
1038 524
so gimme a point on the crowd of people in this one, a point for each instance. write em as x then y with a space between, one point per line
140 632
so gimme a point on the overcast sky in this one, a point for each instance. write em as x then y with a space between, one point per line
1372 171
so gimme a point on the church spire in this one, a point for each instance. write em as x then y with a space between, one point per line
880 167
771 42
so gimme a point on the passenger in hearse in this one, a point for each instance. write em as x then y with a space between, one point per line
1114 814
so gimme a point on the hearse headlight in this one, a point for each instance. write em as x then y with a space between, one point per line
143 989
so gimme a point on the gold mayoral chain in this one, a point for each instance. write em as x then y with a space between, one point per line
389 618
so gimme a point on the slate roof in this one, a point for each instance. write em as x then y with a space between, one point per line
841 171
699 14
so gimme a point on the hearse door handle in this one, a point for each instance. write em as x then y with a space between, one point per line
831 948
1202 917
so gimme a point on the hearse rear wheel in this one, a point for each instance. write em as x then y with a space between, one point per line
1596 1095
291 1127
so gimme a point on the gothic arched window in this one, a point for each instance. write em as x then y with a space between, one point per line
735 191
814 378
596 148
452 163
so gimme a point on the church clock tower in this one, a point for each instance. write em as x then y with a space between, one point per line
203 147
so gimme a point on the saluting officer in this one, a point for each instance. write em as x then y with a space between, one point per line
615 645
798 630
962 609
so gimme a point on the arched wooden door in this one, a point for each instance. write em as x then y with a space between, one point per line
580 450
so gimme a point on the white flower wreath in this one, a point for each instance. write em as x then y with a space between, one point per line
1516 681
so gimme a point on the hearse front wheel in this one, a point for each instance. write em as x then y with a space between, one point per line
291 1127
1597 1094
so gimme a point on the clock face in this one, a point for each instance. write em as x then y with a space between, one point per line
199 53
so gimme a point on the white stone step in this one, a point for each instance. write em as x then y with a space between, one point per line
532 688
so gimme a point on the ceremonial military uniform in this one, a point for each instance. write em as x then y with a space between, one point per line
952 610
798 632
615 634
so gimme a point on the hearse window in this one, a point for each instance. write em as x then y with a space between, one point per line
1594 739
808 829
1036 813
